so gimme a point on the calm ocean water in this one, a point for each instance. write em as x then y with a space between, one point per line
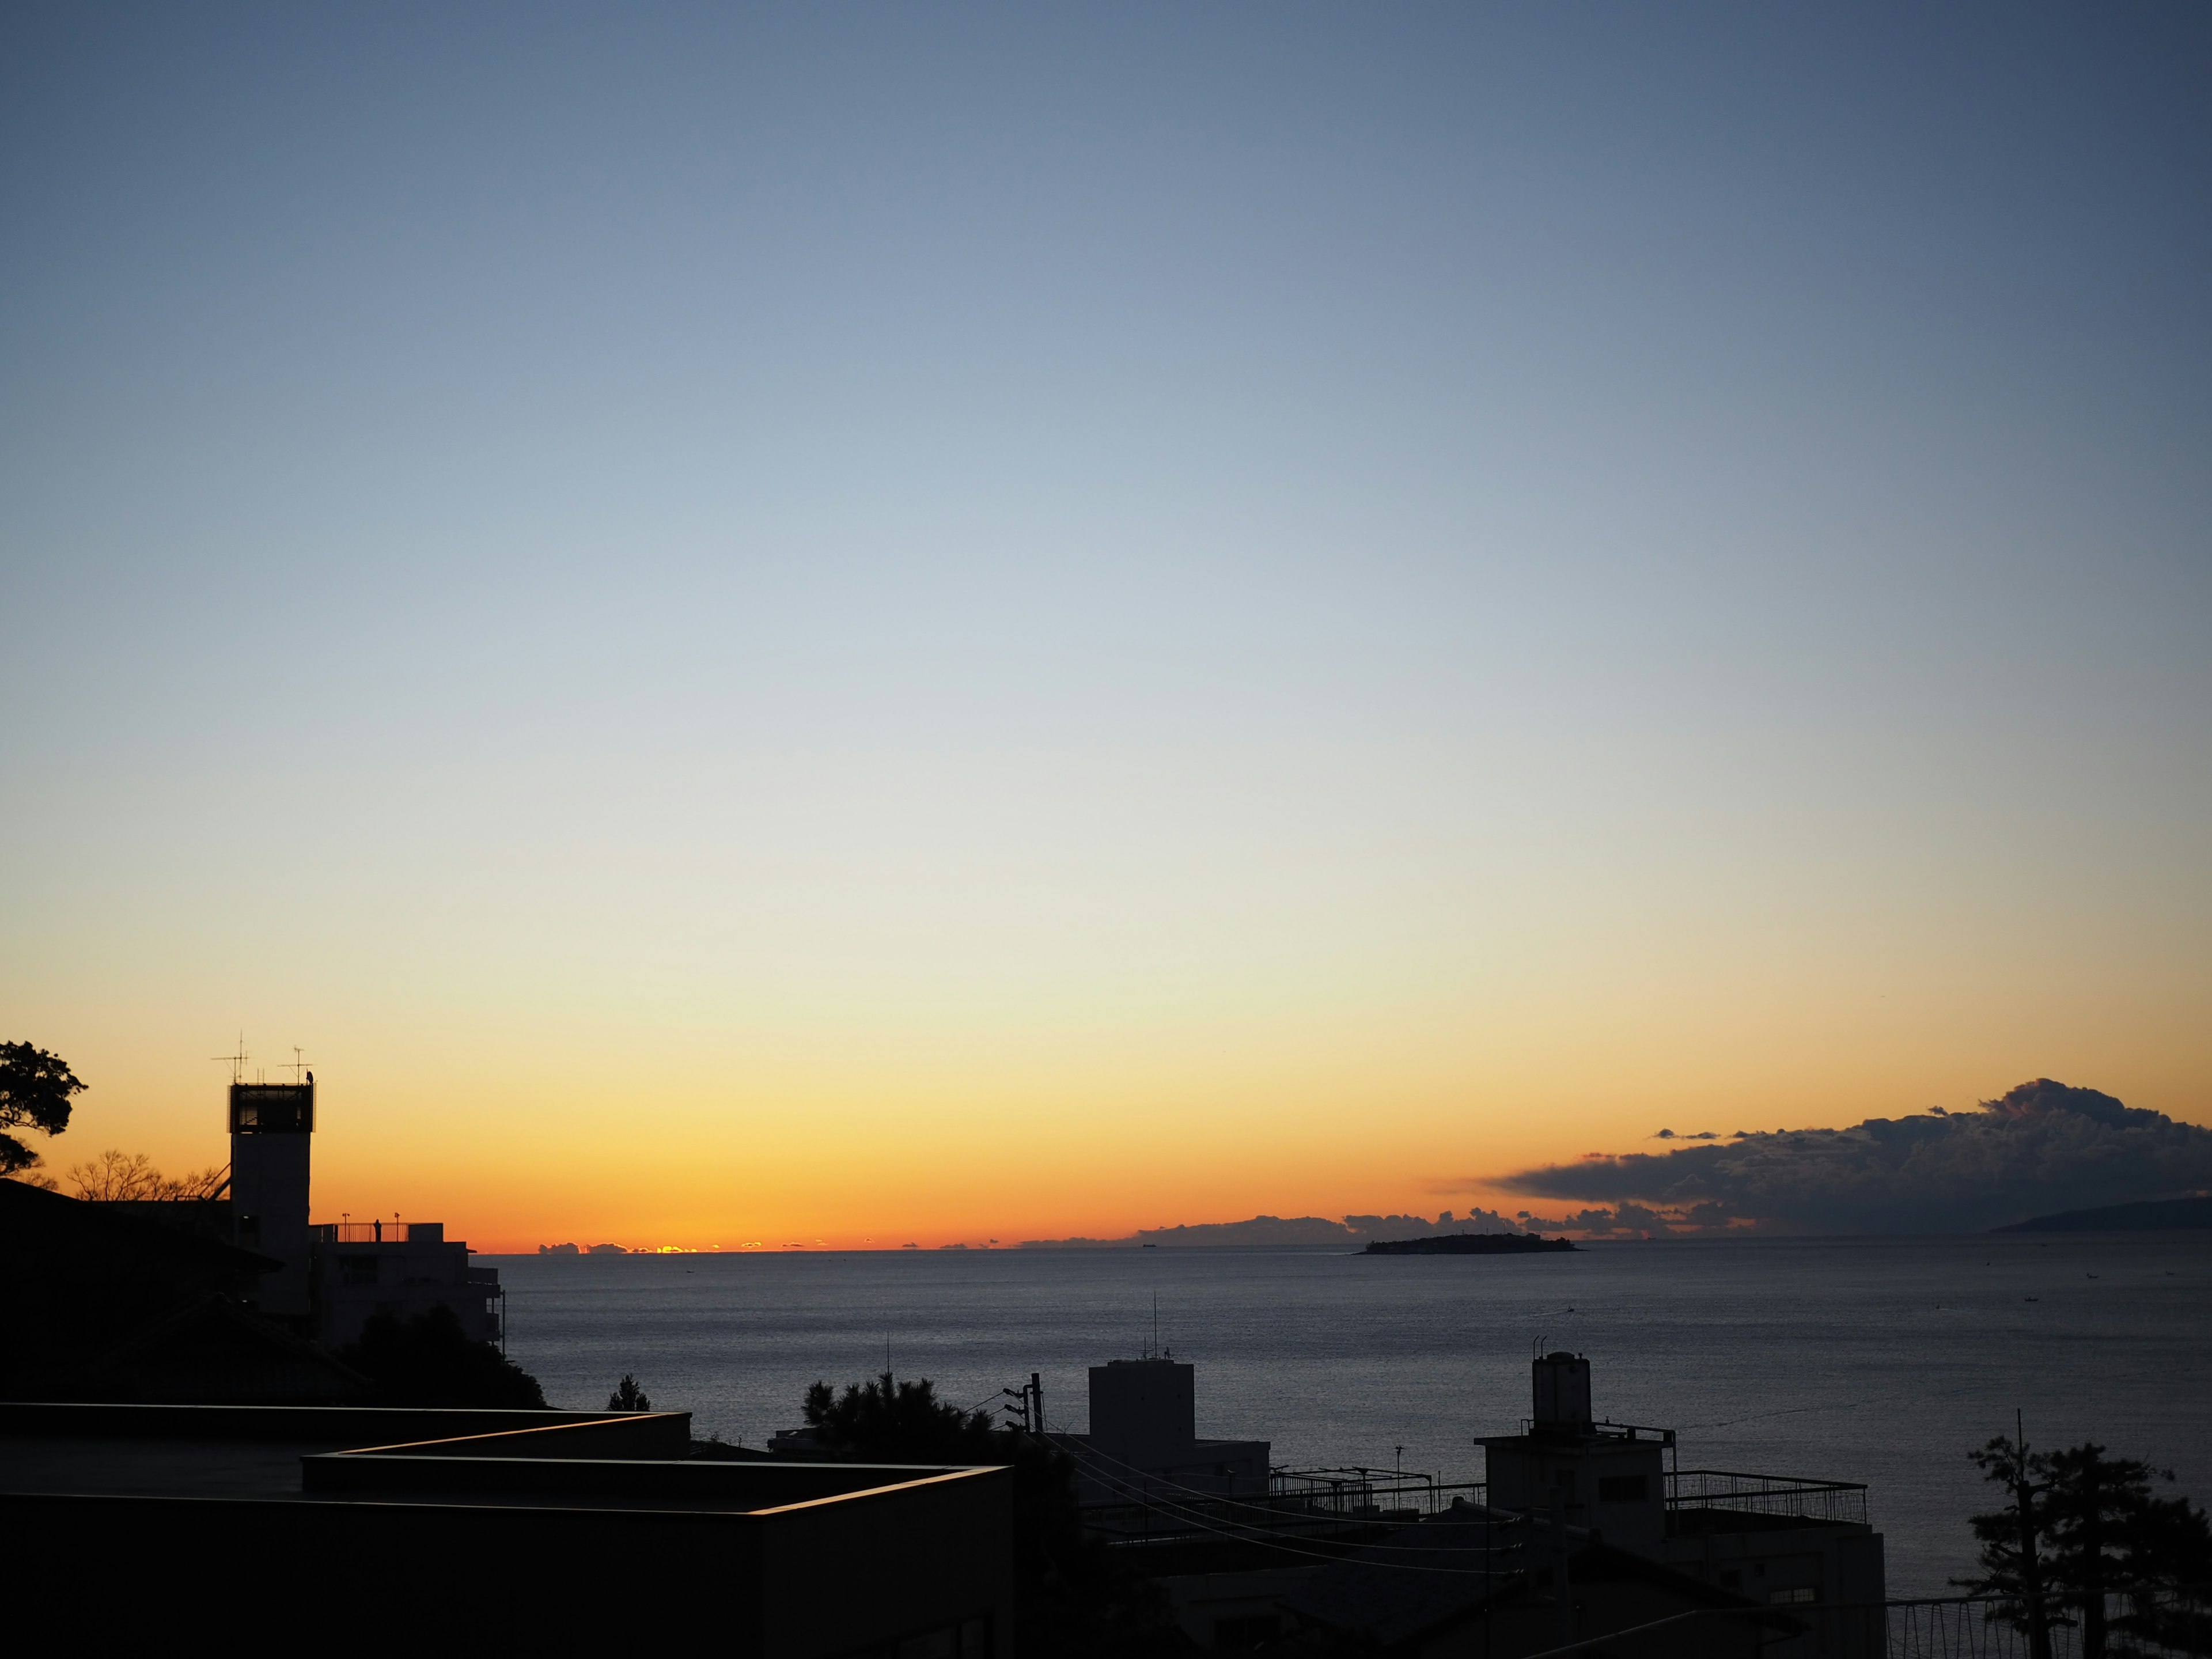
1854 1359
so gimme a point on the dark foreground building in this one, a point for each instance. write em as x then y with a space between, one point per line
319 1280
98 1302
1474 1582
348 1527
1583 1532
1780 1541
1144 1438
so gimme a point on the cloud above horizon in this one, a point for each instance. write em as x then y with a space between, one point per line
2042 1147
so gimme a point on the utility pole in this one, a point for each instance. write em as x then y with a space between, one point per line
2031 1566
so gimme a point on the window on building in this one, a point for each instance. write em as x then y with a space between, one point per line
357 1269
1621 1489
1797 1596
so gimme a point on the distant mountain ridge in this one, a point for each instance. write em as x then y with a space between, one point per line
2157 1215
1303 1232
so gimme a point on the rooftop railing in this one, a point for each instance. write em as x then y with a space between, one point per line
1779 1495
1312 1503
377 1233
1357 1491
1602 1429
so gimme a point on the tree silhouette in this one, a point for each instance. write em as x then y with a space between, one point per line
628 1396
35 1088
886 1422
2012 1556
1075 1599
428 1360
2082 1526
114 1176
2109 1536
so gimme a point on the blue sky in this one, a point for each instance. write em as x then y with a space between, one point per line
1489 574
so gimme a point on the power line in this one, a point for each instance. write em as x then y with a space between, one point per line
1151 1479
1487 1571
1190 1515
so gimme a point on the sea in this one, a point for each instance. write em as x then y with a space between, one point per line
1884 1361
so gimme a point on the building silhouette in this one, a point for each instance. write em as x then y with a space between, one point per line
239 1297
332 1277
1583 1529
272 1128
1144 1438
1780 1540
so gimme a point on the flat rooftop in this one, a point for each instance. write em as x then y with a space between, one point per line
156 1468
340 1454
476 1523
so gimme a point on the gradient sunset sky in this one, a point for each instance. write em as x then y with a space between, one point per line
879 622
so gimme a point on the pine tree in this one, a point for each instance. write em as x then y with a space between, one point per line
2084 1526
2012 1558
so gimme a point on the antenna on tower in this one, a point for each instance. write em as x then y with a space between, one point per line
237 1062
298 1065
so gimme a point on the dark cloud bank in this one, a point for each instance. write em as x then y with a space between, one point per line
2043 1147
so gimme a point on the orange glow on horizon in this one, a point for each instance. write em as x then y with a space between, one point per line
510 1166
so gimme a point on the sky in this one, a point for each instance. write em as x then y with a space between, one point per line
857 624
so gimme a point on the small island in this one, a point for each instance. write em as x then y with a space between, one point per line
1471 1244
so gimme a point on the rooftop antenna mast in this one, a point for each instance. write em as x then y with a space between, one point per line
298 1065
236 1062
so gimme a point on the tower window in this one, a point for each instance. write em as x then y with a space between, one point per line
260 1108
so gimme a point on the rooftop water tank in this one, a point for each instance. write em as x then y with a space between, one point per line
1563 1393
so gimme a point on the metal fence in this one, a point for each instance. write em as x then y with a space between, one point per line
1367 1494
1829 1501
1936 1627
2167 1625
